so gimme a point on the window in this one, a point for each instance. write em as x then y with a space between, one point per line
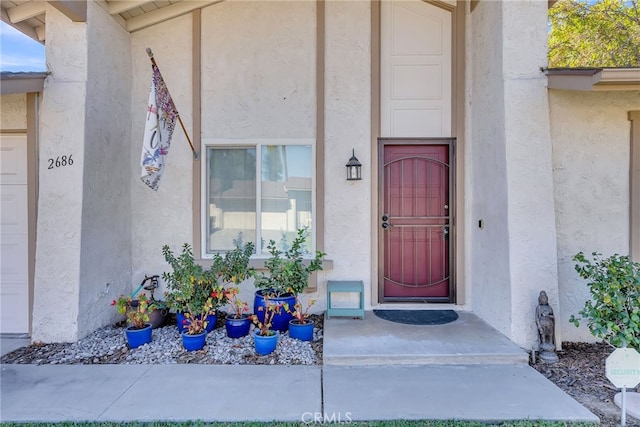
257 191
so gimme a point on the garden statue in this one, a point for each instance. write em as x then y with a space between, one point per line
546 329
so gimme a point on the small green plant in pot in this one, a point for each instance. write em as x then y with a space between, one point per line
139 332
235 270
613 313
288 276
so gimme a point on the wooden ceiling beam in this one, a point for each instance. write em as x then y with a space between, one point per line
118 6
166 13
41 33
26 11
23 27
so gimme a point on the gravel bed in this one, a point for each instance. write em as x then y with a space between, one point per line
108 345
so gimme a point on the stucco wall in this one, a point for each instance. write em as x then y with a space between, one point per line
62 118
488 249
512 257
13 111
165 216
531 223
591 149
258 70
105 265
348 125
83 249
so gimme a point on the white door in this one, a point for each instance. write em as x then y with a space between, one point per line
415 74
14 217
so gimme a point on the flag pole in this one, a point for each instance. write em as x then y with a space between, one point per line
195 153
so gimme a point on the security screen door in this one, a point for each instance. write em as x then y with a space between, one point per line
415 221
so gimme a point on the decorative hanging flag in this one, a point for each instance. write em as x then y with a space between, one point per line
161 120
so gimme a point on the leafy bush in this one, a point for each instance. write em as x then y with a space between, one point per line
190 287
613 313
288 273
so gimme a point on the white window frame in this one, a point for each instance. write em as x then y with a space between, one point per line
257 143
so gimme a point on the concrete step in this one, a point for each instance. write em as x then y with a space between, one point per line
374 341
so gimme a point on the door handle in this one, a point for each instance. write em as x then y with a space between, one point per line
385 221
445 232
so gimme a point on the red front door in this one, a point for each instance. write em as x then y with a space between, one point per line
415 220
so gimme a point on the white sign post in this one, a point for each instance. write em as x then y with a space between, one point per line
623 370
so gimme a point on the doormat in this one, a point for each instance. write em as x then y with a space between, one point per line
418 317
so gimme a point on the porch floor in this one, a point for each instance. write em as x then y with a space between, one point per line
374 341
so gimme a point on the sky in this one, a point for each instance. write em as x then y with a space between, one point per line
19 52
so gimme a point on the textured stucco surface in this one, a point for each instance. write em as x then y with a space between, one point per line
62 118
347 125
105 259
13 111
259 70
488 249
513 257
83 208
531 210
532 234
591 148
165 216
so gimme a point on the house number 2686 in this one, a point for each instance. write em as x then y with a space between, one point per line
60 161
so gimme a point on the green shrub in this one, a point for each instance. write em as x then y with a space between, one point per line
613 313
288 272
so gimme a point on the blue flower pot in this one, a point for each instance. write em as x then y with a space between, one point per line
138 337
301 331
180 318
211 322
183 322
265 344
193 342
280 320
237 328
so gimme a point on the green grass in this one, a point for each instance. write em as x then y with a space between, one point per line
398 423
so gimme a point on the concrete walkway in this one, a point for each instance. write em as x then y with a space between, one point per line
55 393
373 370
374 341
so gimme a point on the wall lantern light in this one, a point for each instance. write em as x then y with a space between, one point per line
354 168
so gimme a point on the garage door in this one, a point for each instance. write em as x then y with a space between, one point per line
14 283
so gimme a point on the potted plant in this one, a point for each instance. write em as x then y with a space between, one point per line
190 287
300 326
235 269
288 276
158 310
264 337
196 324
613 313
238 321
139 330
194 335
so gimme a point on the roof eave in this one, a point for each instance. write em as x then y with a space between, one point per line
594 79
11 83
